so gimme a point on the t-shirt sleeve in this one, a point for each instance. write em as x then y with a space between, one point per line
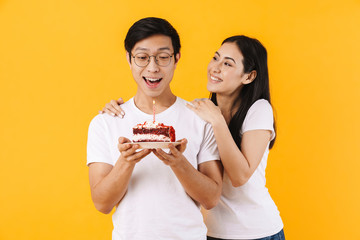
98 149
208 150
259 117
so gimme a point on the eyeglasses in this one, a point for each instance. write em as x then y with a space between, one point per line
161 59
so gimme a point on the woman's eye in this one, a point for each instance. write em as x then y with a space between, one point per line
215 58
228 64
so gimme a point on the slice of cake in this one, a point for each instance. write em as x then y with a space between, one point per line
151 131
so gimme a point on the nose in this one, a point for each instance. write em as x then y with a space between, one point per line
152 66
215 67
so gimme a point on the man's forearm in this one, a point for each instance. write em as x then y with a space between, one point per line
108 192
204 187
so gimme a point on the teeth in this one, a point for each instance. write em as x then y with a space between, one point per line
214 78
153 79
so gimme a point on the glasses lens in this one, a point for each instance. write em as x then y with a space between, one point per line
163 59
141 59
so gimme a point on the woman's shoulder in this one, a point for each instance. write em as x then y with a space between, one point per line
261 104
259 116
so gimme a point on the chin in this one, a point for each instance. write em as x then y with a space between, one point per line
211 88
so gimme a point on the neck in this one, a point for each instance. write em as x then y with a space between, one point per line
225 103
162 102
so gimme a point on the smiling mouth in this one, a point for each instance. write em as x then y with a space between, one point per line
152 82
215 79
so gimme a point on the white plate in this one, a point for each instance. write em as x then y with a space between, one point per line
155 144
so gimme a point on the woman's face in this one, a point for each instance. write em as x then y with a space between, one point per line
226 71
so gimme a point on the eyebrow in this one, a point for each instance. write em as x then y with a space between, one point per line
146 49
226 57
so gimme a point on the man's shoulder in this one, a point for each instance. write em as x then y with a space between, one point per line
186 113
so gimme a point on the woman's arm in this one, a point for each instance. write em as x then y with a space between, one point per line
239 165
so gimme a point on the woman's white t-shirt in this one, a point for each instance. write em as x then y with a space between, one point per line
247 212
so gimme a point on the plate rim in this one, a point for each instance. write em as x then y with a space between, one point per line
147 145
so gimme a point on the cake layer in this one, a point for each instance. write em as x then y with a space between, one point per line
153 132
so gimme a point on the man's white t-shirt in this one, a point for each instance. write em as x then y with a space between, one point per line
155 205
247 212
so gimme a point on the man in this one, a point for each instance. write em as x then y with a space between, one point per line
156 194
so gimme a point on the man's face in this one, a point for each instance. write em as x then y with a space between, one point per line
153 80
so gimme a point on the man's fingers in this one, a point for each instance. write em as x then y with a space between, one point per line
182 146
124 144
124 140
139 155
163 155
174 151
130 151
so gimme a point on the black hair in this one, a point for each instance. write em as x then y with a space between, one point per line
255 58
148 27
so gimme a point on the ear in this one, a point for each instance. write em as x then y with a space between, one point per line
177 58
250 77
128 58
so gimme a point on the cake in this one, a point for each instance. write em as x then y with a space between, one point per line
151 131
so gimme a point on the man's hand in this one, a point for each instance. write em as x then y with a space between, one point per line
128 151
175 155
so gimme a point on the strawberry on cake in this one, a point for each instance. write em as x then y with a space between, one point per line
152 131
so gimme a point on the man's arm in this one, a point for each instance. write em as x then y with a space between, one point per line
203 185
109 183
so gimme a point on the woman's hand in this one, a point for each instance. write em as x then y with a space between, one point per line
113 108
207 110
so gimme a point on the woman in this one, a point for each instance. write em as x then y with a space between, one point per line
241 116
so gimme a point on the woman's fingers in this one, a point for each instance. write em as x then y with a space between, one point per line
115 108
194 105
120 101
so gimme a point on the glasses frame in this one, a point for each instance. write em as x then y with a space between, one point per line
154 56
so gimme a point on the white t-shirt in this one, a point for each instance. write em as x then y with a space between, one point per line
156 205
247 212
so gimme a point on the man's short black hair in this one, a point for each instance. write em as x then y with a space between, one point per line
148 27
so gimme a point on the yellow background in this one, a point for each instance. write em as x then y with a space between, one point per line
61 61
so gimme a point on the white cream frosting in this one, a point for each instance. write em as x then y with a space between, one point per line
153 137
148 124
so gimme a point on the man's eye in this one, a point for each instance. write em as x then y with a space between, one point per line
141 57
215 58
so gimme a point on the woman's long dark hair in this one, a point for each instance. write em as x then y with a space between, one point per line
255 58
